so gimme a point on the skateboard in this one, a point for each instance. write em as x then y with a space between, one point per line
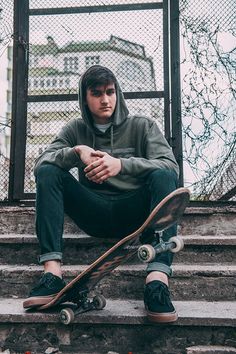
164 215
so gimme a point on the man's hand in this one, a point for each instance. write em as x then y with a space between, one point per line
86 154
103 167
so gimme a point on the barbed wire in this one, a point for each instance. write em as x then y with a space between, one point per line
208 97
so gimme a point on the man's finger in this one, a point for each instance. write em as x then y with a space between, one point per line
93 165
98 153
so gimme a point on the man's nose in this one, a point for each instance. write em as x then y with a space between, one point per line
104 99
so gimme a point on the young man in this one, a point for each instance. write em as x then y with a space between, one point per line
126 168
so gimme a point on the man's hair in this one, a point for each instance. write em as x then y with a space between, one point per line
97 75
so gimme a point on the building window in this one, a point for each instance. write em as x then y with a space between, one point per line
71 64
9 74
9 96
91 60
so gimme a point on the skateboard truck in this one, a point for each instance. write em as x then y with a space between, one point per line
83 304
147 253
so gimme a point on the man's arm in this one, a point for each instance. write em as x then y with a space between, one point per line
64 151
157 155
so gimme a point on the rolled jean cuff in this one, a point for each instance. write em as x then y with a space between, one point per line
52 256
160 267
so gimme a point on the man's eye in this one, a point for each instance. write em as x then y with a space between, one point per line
110 92
95 93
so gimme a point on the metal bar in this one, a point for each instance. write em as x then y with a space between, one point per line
92 9
19 94
28 196
166 71
231 193
74 97
176 120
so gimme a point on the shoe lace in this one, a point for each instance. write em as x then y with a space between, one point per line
158 293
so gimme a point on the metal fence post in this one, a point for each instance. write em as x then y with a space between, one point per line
176 120
19 99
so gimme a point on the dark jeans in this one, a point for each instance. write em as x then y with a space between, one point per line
97 214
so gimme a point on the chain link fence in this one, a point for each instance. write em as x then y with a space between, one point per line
6 32
208 69
124 40
62 46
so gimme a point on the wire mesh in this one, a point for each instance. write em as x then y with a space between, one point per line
63 46
208 97
6 31
130 42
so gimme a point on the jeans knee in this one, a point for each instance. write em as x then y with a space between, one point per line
163 175
47 173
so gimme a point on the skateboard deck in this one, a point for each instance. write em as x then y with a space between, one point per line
164 215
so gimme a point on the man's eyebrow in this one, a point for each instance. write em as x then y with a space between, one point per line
94 90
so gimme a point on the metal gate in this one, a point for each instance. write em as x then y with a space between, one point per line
53 45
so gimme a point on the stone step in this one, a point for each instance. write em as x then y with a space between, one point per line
196 220
24 249
189 282
210 349
121 327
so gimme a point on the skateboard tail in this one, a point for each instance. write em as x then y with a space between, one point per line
169 210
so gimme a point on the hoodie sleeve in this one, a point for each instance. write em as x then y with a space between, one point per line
157 155
61 151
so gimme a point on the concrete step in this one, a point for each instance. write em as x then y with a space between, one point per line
121 327
24 249
196 220
189 282
211 349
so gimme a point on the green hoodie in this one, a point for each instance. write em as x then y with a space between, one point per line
136 140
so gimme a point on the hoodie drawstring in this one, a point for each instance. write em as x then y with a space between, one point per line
111 139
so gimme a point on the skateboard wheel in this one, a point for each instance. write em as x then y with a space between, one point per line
179 244
99 302
67 316
146 253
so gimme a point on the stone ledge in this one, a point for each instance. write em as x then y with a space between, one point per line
204 221
214 240
189 210
131 312
210 349
201 282
179 270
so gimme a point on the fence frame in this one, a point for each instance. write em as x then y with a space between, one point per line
171 93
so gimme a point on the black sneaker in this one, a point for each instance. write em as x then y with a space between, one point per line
47 288
158 304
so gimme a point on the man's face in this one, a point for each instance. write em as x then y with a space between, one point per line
101 102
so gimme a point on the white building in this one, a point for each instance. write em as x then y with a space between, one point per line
56 70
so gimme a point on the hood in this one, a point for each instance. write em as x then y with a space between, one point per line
119 116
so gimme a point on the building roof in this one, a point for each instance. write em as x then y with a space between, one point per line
114 43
